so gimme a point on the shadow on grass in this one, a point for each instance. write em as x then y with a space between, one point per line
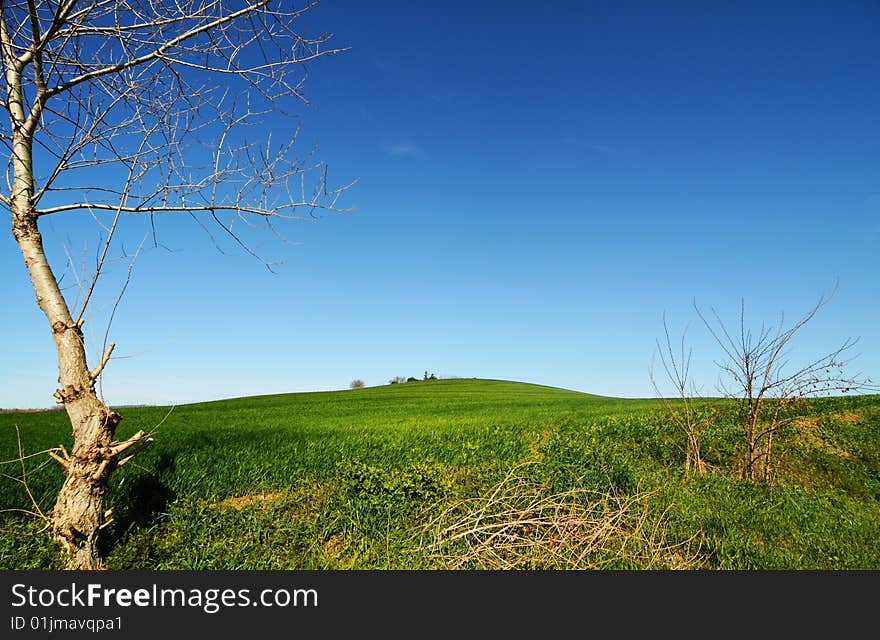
138 500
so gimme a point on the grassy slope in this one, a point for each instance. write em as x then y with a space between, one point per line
344 479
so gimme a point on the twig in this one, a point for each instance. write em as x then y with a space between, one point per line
94 373
24 473
58 458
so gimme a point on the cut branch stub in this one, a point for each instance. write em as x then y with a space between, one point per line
121 445
94 373
57 458
141 439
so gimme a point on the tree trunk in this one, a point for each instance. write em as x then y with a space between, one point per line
79 509
694 456
78 514
769 457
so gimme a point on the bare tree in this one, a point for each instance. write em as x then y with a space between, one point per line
688 416
137 107
770 391
357 384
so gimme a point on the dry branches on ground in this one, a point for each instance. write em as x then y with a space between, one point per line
521 524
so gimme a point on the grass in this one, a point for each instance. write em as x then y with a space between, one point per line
370 478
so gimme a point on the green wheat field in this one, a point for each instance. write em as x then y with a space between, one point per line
460 473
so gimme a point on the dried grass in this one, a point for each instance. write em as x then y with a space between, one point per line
520 524
262 500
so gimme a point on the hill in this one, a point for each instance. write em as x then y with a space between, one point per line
460 473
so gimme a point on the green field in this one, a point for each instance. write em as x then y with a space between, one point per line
476 474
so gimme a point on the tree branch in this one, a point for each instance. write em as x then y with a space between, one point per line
189 208
116 68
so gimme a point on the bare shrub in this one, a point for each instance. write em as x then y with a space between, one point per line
521 524
689 417
769 390
357 384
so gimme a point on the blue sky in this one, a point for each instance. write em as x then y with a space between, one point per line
538 184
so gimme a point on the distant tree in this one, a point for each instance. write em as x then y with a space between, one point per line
357 384
397 380
140 108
